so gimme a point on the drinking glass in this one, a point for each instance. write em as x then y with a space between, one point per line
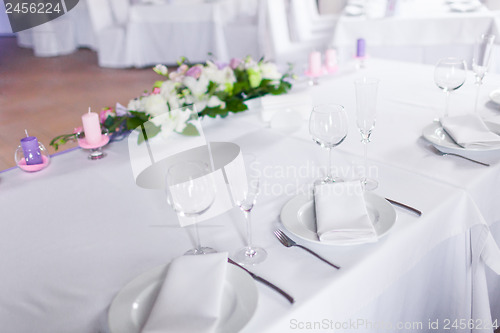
481 60
191 192
366 109
328 126
245 197
449 75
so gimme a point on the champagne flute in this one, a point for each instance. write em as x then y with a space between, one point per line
481 60
245 196
449 75
328 126
191 192
366 101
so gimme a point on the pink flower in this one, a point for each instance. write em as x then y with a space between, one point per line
103 115
194 72
235 62
156 90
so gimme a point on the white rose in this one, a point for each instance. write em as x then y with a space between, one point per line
270 71
197 87
155 105
214 101
136 104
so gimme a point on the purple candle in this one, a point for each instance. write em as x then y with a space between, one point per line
361 46
31 150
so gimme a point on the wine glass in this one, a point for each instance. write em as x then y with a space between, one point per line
481 60
449 75
366 101
245 197
191 192
328 126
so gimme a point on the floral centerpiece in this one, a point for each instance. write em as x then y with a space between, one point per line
216 89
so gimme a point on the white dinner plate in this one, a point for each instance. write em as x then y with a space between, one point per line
465 7
298 217
495 96
131 306
436 135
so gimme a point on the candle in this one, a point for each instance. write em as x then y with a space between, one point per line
315 63
31 150
92 127
361 47
330 59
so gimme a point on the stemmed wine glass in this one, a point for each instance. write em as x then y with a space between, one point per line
328 126
366 101
245 197
480 60
191 192
449 75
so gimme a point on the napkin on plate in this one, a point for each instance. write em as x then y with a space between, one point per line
190 297
469 131
341 214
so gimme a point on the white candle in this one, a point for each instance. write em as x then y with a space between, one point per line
91 127
315 63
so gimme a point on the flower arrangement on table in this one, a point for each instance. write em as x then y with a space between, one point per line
216 89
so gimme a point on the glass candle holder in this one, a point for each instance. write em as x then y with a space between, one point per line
96 152
22 161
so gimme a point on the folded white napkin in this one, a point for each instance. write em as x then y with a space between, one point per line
469 131
341 214
191 295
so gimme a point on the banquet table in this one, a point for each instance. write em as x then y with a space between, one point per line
164 32
74 234
420 31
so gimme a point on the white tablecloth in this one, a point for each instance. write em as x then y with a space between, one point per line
420 31
74 234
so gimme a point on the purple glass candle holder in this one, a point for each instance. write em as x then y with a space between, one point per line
360 48
31 156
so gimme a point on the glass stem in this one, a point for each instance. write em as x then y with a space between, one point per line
329 171
250 252
478 84
447 104
365 143
197 237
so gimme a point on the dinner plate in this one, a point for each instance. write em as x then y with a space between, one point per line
436 135
465 7
131 306
298 217
495 96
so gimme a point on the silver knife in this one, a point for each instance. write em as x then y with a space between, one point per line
264 281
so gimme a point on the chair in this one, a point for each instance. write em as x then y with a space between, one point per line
307 24
274 35
109 34
53 38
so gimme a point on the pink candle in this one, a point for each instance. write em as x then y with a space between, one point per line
92 127
315 63
330 59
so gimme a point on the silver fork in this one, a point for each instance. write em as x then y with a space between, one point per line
439 152
288 242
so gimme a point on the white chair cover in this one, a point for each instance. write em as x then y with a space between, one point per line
110 36
120 9
304 27
275 36
54 38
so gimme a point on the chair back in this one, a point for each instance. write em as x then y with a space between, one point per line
120 9
273 27
101 15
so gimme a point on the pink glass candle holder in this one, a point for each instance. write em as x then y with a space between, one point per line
96 152
24 163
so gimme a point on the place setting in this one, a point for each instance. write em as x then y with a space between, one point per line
468 136
341 212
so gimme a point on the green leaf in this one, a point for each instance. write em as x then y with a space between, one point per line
157 84
150 129
190 130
